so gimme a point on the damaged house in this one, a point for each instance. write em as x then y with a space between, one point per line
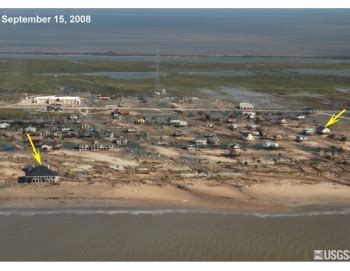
234 150
233 126
301 138
4 125
54 108
40 174
200 141
121 141
178 123
309 131
95 146
130 130
30 129
268 146
212 139
247 136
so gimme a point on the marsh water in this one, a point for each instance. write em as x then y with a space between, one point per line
148 234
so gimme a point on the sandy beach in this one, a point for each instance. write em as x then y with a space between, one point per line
267 197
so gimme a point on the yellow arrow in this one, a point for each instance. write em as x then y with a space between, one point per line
335 118
35 152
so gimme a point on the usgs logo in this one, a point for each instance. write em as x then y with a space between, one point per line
332 255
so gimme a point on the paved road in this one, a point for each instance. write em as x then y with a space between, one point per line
170 109
330 114
164 110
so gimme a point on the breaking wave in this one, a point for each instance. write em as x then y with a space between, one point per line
157 212
32 212
345 211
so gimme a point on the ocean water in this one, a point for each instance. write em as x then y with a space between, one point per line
271 32
146 234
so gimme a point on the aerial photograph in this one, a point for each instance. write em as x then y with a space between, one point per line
175 135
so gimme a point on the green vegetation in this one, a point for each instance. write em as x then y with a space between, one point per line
23 114
8 114
22 76
32 66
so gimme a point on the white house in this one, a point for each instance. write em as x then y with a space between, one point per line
62 100
140 121
174 121
201 141
268 145
46 147
182 123
121 141
322 130
4 125
245 106
282 121
73 117
30 129
247 136
249 114
233 126
301 138
252 126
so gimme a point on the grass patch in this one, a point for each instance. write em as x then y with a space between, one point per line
21 76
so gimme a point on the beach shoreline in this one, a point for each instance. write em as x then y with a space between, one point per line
261 198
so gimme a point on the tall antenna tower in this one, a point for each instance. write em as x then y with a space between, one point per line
157 75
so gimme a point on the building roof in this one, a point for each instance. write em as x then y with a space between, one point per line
322 129
58 97
245 104
40 171
301 136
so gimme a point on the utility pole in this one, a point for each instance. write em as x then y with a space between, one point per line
157 74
